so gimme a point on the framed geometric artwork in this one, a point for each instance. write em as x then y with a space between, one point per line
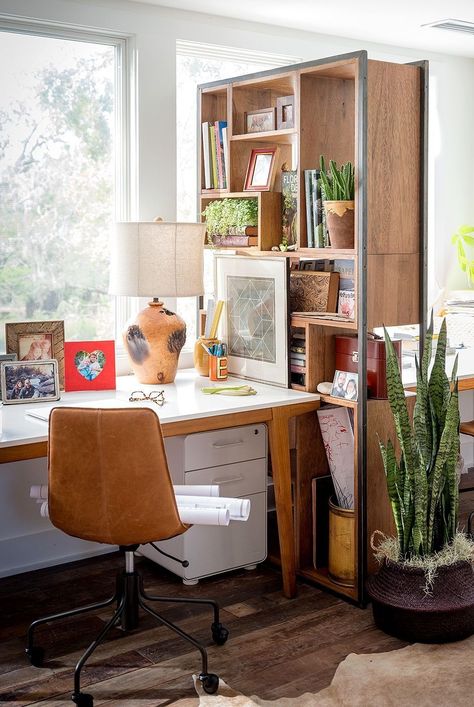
255 321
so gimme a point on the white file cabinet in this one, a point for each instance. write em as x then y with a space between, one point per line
236 460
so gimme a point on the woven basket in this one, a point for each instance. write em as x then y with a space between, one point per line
403 609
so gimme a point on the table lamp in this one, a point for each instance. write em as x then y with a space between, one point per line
151 259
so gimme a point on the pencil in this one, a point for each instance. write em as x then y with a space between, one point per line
215 321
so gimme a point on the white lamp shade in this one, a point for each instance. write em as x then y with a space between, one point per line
157 259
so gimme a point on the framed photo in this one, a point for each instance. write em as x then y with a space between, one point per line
29 381
90 365
255 324
261 169
37 341
345 385
285 111
260 121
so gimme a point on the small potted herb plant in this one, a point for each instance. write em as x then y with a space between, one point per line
230 217
424 590
337 187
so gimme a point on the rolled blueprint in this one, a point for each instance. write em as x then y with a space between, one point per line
204 516
239 508
197 490
39 492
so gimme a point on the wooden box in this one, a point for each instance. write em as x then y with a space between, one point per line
347 359
313 291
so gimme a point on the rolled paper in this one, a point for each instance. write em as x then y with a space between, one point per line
44 511
239 508
204 516
40 492
197 490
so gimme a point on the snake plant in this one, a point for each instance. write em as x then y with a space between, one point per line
463 240
422 482
337 184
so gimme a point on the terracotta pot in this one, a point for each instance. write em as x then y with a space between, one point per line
340 223
403 609
154 342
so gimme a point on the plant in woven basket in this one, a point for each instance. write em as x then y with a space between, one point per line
423 483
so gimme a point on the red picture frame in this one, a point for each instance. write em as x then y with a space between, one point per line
89 365
261 169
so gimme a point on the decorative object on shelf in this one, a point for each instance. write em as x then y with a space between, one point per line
463 240
90 365
285 112
338 437
341 560
345 385
29 381
338 199
255 321
347 359
260 121
424 590
346 303
261 169
37 341
232 222
324 387
151 258
312 291
289 207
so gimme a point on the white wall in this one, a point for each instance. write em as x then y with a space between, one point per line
156 29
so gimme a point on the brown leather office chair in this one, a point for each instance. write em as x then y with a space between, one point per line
109 483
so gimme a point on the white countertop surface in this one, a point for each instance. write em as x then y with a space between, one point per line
183 401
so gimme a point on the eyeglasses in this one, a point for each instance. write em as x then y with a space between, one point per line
156 396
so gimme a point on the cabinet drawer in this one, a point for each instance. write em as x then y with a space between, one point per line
205 449
233 479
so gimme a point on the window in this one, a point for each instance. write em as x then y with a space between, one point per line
195 64
59 192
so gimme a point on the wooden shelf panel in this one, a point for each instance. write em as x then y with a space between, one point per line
297 386
285 136
327 253
299 321
338 401
321 576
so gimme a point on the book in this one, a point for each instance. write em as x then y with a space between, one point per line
346 303
219 125
234 241
226 155
206 156
318 221
289 213
298 349
308 189
297 368
213 153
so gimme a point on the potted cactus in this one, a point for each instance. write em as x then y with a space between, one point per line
424 590
337 188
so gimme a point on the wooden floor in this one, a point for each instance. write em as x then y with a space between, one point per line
277 647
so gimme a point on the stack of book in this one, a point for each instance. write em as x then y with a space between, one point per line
214 152
298 353
316 231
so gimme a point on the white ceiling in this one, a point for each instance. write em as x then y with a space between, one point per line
385 21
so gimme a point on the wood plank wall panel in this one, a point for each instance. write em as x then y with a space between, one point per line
392 289
393 168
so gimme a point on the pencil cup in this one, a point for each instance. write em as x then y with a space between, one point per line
218 368
201 357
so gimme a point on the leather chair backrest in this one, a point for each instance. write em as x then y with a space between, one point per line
108 476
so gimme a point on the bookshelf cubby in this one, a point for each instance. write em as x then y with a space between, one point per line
373 114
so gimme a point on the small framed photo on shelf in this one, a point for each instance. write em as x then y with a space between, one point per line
261 169
285 111
29 381
37 341
260 121
345 385
90 365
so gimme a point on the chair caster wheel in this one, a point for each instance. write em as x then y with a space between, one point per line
209 682
35 656
82 699
220 634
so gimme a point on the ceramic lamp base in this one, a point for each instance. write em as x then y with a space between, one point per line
154 342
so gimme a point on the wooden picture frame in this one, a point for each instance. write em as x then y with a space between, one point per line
313 291
89 365
259 121
29 381
285 112
261 169
37 341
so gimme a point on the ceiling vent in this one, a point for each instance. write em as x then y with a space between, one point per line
453 25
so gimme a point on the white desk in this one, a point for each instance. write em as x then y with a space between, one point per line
185 411
465 370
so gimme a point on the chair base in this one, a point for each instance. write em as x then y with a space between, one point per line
130 597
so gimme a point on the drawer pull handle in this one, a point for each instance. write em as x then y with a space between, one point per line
216 445
232 480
